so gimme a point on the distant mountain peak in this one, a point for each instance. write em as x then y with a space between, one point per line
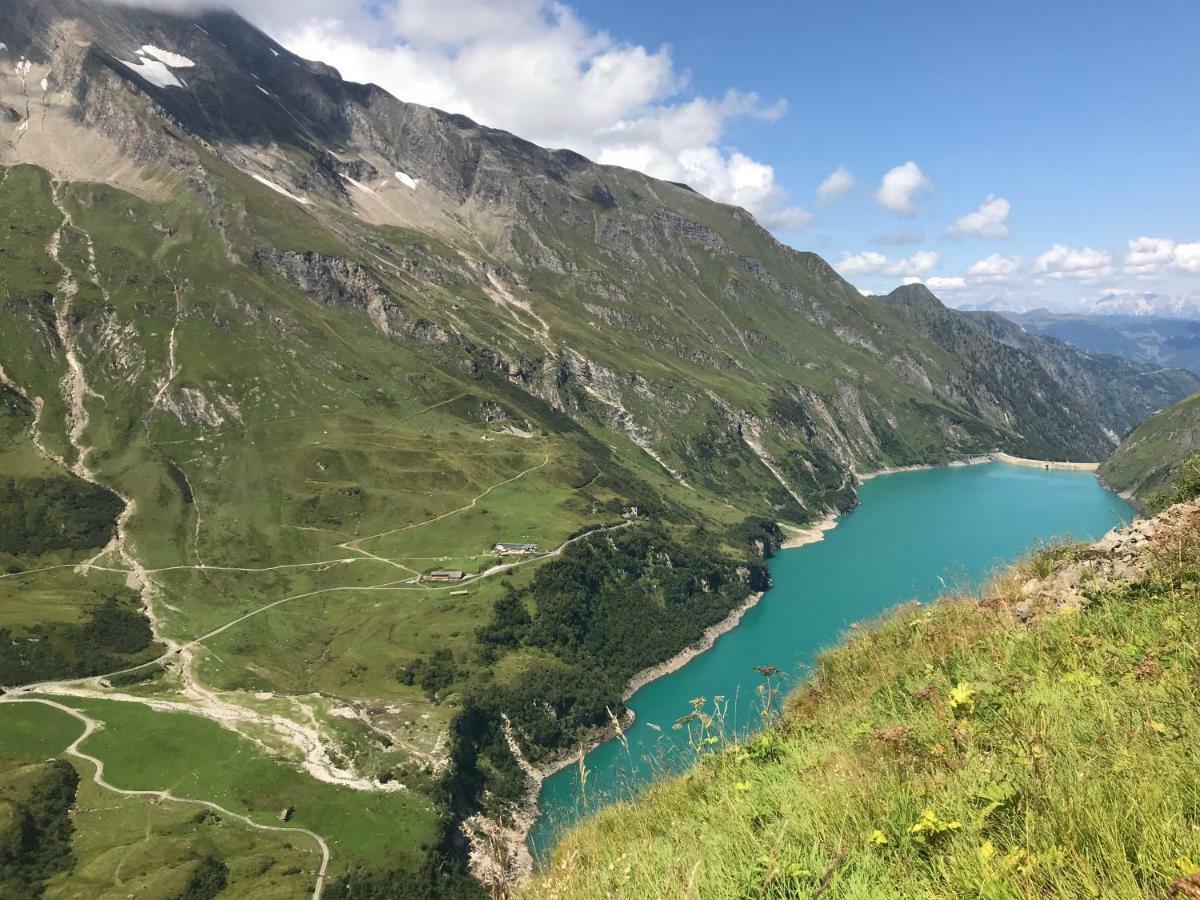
914 293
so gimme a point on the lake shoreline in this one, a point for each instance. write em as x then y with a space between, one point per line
514 838
922 467
710 636
801 536
796 537
997 456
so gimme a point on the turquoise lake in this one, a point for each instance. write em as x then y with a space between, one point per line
914 534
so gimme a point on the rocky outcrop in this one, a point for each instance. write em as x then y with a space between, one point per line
1121 556
336 281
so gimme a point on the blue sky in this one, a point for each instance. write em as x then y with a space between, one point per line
1078 120
1085 116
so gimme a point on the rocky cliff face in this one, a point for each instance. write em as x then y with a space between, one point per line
1054 395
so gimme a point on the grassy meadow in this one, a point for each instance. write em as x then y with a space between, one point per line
134 845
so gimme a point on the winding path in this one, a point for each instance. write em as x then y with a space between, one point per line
353 545
76 391
91 726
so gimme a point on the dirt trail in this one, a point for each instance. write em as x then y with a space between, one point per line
311 744
353 545
91 726
315 750
557 551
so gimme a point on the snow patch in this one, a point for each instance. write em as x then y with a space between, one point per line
407 180
3 46
264 90
153 71
273 186
23 68
166 57
45 85
274 52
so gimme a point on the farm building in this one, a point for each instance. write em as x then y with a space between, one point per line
506 549
448 575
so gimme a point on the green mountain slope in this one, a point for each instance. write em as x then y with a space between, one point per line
1053 395
1150 457
1029 742
275 347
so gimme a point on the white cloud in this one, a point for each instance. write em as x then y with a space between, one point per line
1085 264
939 283
903 187
1152 256
871 263
990 220
1187 257
534 68
1148 255
838 184
946 283
995 269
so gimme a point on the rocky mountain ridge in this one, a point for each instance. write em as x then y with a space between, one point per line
573 270
1046 387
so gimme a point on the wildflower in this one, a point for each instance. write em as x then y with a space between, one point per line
1148 669
931 826
962 697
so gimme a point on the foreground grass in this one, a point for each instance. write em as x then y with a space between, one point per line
947 752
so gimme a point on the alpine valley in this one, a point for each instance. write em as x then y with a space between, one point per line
285 361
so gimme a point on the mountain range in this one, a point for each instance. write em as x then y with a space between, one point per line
277 349
1143 339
